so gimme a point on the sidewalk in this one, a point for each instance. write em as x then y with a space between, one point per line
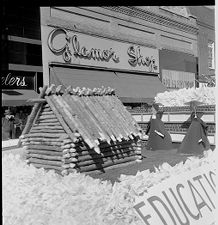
9 144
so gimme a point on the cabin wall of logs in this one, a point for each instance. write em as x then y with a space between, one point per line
80 130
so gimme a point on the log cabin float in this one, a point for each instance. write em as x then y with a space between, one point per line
80 129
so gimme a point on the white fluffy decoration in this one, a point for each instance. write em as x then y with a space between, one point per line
35 197
179 97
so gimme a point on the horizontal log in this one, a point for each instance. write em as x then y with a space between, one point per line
67 155
45 157
51 127
67 141
66 146
45 147
69 160
66 151
49 143
47 124
89 161
53 153
124 142
47 117
96 156
42 135
69 166
106 164
70 150
45 113
72 165
105 151
42 139
97 171
73 150
42 121
24 139
106 155
82 148
36 100
47 131
73 154
45 161
66 166
24 144
39 165
47 109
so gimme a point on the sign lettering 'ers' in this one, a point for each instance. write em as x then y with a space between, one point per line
186 199
72 47
18 80
10 80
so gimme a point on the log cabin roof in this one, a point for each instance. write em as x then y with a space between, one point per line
96 115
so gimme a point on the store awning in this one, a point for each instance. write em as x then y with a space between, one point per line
138 88
17 97
81 77
129 87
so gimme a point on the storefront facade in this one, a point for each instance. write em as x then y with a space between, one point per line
21 67
205 16
109 46
179 51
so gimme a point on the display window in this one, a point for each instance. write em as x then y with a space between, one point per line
13 121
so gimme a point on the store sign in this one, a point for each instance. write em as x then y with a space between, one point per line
185 199
72 48
178 79
17 80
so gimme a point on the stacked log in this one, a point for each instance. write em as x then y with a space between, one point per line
87 160
43 141
81 130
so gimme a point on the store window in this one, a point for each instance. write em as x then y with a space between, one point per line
14 116
23 21
211 56
24 53
13 121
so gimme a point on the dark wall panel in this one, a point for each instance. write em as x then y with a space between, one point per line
179 61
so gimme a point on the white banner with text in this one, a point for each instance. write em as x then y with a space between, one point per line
188 198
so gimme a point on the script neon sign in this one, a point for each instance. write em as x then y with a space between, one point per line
136 58
10 80
78 50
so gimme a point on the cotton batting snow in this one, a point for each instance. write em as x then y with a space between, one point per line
36 197
206 95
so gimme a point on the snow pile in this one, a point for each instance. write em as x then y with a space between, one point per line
179 97
34 197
